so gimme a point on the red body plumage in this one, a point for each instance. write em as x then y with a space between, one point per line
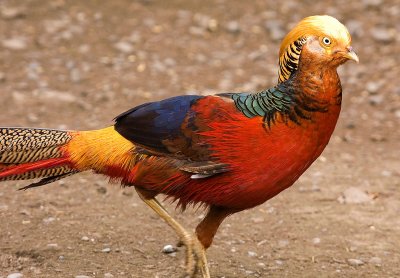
229 151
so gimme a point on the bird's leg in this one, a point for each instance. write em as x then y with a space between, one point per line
206 231
187 239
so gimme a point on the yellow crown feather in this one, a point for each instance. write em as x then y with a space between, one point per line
317 25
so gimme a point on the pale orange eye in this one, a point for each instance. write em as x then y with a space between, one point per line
326 41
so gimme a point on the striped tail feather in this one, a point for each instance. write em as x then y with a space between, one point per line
30 153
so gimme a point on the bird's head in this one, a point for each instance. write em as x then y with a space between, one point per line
323 38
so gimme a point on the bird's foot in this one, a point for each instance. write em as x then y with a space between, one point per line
196 259
187 240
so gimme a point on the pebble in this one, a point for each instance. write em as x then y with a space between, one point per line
376 99
82 276
373 87
375 261
12 12
283 243
233 27
168 249
316 240
75 75
275 29
16 43
106 250
15 275
354 195
261 264
52 246
355 262
85 238
196 31
206 22
257 220
48 220
372 3
355 28
251 254
108 275
102 190
124 47
52 95
382 34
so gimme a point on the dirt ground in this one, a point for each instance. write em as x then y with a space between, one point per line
77 64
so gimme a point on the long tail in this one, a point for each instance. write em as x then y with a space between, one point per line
31 153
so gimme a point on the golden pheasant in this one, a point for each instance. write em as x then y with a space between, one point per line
230 152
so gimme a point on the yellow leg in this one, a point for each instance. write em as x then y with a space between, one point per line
193 246
202 264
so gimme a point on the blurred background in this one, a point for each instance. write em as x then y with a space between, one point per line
78 64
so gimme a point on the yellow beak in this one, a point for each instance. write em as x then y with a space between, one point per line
351 55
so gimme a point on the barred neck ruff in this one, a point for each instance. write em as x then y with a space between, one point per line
289 60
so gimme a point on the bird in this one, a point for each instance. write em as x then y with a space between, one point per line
228 152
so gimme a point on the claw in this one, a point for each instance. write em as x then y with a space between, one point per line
196 260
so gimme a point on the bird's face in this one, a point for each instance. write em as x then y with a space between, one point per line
330 48
317 39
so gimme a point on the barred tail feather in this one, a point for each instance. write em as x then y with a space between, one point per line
29 153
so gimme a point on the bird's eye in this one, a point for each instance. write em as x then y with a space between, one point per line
326 41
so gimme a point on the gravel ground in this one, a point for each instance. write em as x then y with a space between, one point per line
77 64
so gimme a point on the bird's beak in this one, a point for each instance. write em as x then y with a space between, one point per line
351 55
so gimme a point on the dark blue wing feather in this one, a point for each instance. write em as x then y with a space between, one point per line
152 123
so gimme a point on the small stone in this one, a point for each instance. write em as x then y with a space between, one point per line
386 173
48 220
251 254
257 220
233 27
196 31
355 28
102 190
52 246
376 137
75 75
283 243
106 250
372 3
82 276
275 29
12 12
261 264
124 47
168 249
316 240
15 275
206 22
373 87
382 34
16 43
108 275
355 262
85 238
354 195
375 261
375 99
279 262
51 95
